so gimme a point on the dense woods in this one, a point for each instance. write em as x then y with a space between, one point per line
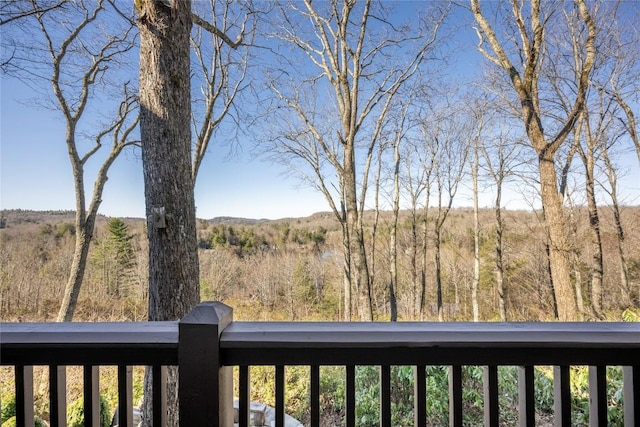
290 269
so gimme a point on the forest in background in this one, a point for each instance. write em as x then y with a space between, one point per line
290 269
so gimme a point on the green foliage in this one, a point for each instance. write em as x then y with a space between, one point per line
8 407
580 395
244 241
121 241
543 389
367 385
305 289
8 413
64 229
332 387
631 316
114 258
75 413
437 395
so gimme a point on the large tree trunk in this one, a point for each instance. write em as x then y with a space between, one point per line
166 154
558 245
534 47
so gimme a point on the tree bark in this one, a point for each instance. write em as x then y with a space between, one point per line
165 130
166 154
558 246
84 232
437 256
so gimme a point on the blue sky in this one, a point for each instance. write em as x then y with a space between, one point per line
35 172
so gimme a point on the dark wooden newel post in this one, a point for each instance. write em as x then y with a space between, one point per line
205 386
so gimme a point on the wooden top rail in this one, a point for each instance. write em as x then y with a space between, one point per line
327 343
412 343
80 343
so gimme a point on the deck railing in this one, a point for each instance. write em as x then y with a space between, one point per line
207 344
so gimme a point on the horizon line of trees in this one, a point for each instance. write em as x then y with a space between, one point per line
292 269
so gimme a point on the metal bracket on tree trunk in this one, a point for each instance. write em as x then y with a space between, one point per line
158 217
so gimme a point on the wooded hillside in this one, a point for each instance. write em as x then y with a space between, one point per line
290 269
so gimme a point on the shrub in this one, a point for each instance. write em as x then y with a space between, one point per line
75 413
8 408
8 413
11 422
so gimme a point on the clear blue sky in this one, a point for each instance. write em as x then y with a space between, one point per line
35 172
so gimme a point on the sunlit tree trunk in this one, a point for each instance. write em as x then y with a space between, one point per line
165 130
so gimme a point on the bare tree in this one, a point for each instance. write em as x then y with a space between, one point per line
75 59
165 129
418 162
169 173
612 177
447 135
331 113
532 23
617 80
481 115
500 162
18 10
221 66
399 135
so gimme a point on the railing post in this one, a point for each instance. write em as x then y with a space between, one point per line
490 396
57 395
561 396
631 378
125 396
92 396
205 386
455 396
597 396
24 395
526 396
